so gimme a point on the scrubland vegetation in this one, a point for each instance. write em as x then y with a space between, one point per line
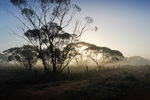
126 83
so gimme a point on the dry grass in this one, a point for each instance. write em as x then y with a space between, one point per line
107 84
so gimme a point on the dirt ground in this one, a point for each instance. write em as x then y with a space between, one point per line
59 90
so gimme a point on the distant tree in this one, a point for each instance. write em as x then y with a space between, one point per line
2 58
25 55
101 55
81 58
44 24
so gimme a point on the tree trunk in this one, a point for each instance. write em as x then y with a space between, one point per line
44 63
30 64
53 61
54 68
99 68
87 70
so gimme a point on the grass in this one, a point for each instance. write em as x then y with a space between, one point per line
107 84
111 88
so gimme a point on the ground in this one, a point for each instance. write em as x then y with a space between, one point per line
110 84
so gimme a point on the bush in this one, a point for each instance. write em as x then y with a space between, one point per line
131 78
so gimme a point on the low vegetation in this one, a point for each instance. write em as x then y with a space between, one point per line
127 83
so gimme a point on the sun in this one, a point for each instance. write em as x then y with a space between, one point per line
82 50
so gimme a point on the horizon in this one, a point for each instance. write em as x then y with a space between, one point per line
122 25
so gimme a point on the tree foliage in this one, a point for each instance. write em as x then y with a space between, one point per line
26 55
45 23
81 59
100 55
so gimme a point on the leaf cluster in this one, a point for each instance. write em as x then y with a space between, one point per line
25 55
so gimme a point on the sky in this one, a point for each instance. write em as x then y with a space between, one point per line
123 25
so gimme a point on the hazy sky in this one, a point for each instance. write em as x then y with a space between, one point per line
123 25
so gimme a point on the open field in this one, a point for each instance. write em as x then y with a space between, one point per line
127 83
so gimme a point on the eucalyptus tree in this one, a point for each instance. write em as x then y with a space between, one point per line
100 55
26 55
103 55
2 58
44 25
81 59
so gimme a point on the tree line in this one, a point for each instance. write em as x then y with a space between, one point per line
28 56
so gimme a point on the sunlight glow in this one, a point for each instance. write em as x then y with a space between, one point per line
82 50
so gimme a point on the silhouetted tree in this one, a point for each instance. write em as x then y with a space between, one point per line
81 58
44 27
101 55
26 55
2 58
